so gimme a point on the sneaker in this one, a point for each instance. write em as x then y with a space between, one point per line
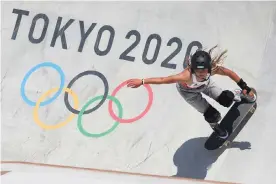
222 133
239 96
237 93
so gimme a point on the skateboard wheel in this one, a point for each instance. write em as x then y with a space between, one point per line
252 110
226 143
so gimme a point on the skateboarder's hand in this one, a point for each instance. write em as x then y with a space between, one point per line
251 94
134 83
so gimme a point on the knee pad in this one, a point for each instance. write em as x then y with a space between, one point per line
211 115
226 98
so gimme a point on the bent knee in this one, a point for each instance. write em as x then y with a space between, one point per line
212 115
226 98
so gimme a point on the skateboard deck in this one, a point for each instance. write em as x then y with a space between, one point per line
235 119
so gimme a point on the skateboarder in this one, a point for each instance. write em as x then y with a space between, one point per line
196 79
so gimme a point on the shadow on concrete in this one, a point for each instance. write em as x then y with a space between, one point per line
193 160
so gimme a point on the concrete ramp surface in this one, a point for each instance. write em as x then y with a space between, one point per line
33 172
64 99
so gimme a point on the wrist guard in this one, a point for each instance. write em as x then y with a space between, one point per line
243 86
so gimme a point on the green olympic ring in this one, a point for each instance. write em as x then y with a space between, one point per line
84 132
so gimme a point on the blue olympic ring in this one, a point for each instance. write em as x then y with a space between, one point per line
46 64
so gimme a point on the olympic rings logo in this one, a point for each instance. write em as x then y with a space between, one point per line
102 98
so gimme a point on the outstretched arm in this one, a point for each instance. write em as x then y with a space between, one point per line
164 80
134 83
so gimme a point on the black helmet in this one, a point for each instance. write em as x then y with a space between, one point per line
201 60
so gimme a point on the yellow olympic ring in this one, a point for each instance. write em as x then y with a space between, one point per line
52 127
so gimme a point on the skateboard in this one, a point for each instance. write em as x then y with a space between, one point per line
235 119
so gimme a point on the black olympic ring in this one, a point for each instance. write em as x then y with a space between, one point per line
106 89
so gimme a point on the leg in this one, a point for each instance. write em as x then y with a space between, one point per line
213 90
195 99
211 115
223 97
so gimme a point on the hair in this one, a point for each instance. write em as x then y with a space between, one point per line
217 59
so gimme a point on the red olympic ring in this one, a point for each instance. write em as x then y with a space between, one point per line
112 114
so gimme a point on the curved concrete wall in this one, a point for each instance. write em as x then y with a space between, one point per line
94 47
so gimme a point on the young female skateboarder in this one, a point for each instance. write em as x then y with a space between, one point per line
196 79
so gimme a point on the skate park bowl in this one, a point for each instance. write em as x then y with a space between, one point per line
68 116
